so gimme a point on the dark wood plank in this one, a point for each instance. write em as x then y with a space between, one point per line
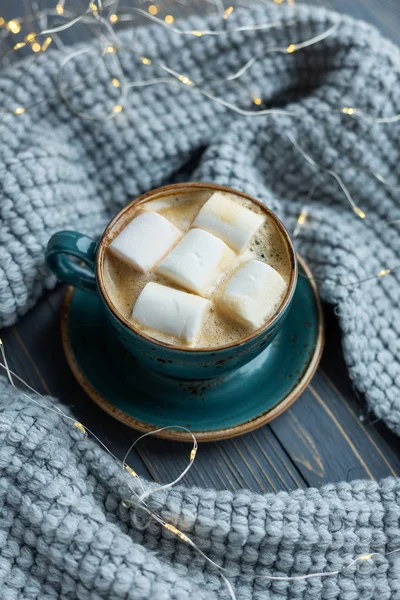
256 461
323 432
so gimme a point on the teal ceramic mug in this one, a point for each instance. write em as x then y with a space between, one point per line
174 361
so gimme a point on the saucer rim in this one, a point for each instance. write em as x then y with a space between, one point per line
203 436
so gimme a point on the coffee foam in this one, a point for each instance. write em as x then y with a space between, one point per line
124 283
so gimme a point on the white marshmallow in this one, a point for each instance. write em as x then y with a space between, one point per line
230 221
145 240
197 262
252 294
170 311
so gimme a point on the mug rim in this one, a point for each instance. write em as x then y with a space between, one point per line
166 191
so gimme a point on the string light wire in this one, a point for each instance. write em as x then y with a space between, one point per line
359 212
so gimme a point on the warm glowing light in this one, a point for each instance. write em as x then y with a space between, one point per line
359 212
278 1
185 79
117 108
2 21
116 83
81 428
153 9
19 45
93 7
14 26
348 110
169 19
176 531
291 48
59 8
197 32
110 49
113 19
145 61
131 471
365 556
257 100
36 47
228 11
384 272
302 217
46 43
30 37
193 453
19 110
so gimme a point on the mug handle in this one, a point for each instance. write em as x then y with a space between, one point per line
66 244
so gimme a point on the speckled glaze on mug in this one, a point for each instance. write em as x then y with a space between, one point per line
179 362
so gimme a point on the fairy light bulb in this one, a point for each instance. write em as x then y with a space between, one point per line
193 453
30 37
302 216
257 100
384 272
36 47
14 26
113 19
228 11
93 7
19 45
110 49
2 21
130 471
60 8
185 80
291 48
81 428
19 110
359 212
46 43
116 82
169 19
176 531
153 9
117 108
145 60
348 110
365 556
197 32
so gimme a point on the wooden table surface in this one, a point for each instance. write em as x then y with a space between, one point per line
326 436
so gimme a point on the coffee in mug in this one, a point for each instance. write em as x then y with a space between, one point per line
200 269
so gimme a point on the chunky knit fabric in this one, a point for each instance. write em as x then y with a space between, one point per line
64 532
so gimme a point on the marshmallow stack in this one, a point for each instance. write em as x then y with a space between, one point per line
197 261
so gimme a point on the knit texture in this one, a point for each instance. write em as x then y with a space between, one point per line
63 530
65 533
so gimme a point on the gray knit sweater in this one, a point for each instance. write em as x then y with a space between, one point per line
64 532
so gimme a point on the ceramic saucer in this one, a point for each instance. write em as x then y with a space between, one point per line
214 409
